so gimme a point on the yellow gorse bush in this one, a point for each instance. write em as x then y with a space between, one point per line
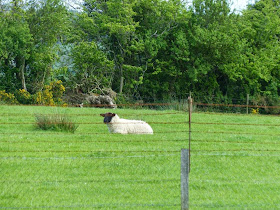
51 94
7 97
57 88
44 97
255 111
24 97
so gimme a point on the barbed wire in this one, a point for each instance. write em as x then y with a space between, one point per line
236 206
161 104
90 151
105 105
137 151
92 180
237 105
235 114
89 133
236 154
89 123
98 205
235 124
234 142
87 115
92 141
238 150
236 133
230 181
133 141
147 205
155 132
87 157
184 122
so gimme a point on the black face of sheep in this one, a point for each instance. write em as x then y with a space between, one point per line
108 117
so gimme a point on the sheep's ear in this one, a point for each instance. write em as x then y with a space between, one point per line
103 115
113 114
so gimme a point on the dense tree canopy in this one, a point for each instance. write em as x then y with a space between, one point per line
149 49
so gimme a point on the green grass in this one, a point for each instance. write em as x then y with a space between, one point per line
55 122
235 161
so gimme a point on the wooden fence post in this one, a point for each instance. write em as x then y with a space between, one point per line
184 179
190 130
247 103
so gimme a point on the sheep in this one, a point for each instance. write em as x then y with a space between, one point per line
123 126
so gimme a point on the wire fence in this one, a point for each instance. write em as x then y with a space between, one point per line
87 181
234 162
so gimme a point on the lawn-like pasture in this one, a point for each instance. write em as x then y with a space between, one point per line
235 161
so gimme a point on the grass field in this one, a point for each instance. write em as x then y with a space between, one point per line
235 161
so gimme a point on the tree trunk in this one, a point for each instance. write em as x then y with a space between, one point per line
121 79
22 67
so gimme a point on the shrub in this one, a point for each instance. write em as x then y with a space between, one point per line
51 94
123 99
44 97
57 90
24 97
55 122
7 97
270 104
255 111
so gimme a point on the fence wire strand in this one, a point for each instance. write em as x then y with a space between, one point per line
62 176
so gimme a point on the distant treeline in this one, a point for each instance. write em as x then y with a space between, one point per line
159 49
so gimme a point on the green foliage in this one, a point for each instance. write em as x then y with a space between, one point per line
24 97
57 89
122 100
159 49
49 25
7 98
93 70
51 94
15 44
117 38
166 45
269 102
29 33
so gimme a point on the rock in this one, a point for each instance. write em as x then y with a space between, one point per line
101 101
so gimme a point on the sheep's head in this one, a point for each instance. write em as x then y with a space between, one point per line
108 117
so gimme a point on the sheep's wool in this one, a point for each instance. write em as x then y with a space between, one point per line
125 126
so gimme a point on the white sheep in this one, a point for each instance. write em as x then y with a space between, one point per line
117 125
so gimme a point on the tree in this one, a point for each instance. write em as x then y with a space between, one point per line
15 41
261 29
217 50
116 36
49 22
29 34
163 27
92 70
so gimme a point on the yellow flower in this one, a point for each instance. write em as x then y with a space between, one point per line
255 111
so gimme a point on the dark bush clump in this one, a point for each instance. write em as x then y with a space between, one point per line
55 122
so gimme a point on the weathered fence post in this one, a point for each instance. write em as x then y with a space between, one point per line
184 179
190 130
247 103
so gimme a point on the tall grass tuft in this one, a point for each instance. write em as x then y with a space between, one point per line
55 122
